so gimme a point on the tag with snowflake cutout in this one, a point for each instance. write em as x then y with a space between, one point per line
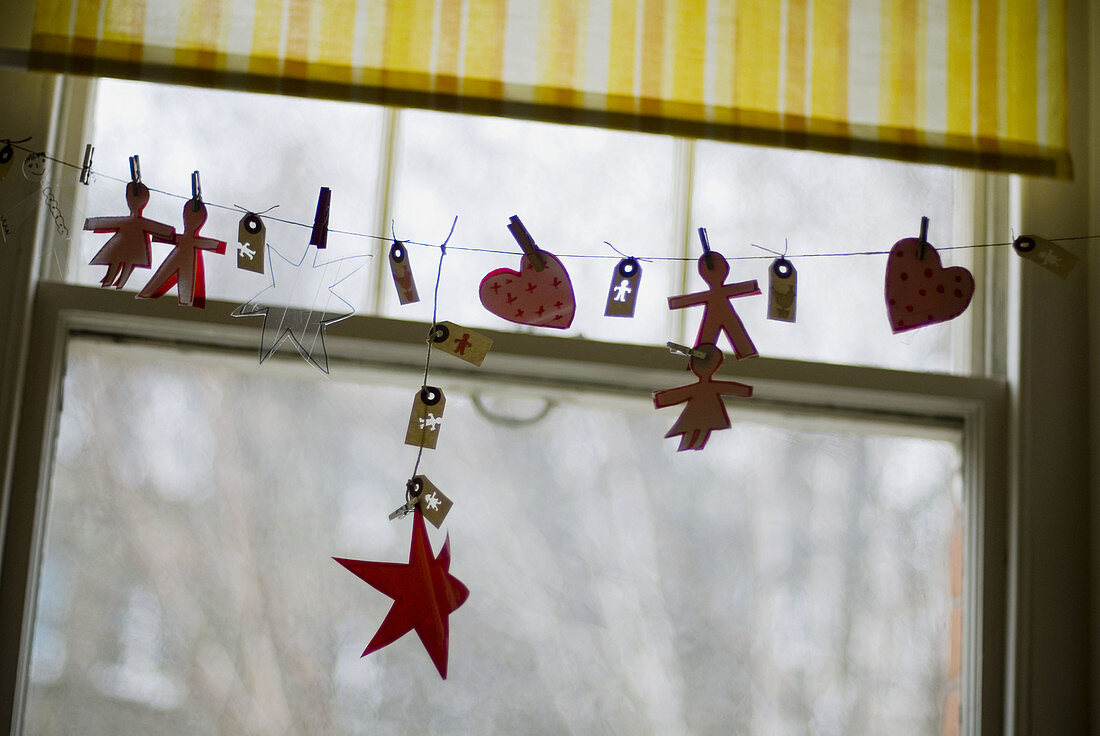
1047 254
426 417
432 502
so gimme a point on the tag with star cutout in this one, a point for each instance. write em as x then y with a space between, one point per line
251 241
782 290
461 342
1047 254
430 500
426 417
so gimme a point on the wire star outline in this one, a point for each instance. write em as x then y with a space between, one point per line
305 327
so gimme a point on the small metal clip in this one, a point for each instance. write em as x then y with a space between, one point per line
685 350
923 238
413 487
526 242
403 510
86 168
319 236
135 169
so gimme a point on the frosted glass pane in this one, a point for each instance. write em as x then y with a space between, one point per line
251 150
821 203
783 581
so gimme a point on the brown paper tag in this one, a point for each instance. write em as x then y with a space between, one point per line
623 292
1047 254
251 243
432 502
402 273
782 290
7 153
426 417
461 342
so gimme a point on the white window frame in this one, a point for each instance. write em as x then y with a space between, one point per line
1025 433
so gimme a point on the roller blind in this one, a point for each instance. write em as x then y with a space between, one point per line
976 83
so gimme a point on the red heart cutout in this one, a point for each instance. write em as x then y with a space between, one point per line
529 297
922 292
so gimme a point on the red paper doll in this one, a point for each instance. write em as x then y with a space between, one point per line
705 411
718 314
183 266
129 247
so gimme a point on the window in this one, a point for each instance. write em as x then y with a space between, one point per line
412 171
822 565
187 586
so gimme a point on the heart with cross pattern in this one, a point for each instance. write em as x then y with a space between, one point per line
529 297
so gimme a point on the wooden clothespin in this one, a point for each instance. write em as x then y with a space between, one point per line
923 238
706 247
319 236
526 242
196 191
86 168
135 169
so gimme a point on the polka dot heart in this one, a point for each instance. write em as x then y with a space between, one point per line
922 292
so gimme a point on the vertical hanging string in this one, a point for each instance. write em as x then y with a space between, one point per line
430 342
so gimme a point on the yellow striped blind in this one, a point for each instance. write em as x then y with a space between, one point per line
976 83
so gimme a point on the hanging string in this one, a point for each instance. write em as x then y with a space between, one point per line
250 212
768 250
624 255
600 256
428 340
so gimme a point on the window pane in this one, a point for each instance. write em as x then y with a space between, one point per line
251 150
784 580
821 203
573 188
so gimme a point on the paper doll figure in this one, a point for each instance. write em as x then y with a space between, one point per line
705 411
129 247
183 266
718 314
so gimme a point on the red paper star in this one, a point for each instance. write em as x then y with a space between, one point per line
423 591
